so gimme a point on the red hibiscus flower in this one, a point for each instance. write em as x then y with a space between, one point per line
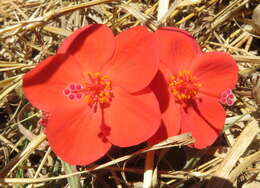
95 90
189 87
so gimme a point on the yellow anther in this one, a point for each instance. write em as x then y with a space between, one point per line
102 100
89 99
108 85
98 89
104 77
178 82
97 74
173 77
101 94
183 86
188 73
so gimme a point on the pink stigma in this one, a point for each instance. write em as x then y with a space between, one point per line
73 91
227 97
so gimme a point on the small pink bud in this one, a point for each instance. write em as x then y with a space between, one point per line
223 100
230 102
79 96
66 91
78 87
231 96
227 97
72 86
228 91
72 96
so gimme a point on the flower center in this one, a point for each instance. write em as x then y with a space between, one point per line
97 90
183 86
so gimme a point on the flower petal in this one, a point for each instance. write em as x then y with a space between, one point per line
169 108
72 133
160 88
172 118
204 118
44 84
132 118
171 125
216 71
92 45
177 48
136 59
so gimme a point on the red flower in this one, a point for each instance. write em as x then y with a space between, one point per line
95 90
189 87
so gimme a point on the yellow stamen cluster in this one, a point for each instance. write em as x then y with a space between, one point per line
99 89
183 86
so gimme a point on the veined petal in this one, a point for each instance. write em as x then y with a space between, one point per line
44 84
92 45
72 133
177 48
204 118
132 118
216 71
136 59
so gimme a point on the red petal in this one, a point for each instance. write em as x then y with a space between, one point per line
135 62
204 118
44 84
171 123
92 45
172 118
169 109
216 71
132 118
177 48
160 88
74 135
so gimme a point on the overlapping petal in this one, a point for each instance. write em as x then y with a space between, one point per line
171 113
216 71
92 45
44 84
172 117
177 48
135 61
133 117
74 135
159 86
204 118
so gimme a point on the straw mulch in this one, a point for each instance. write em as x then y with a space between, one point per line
31 30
